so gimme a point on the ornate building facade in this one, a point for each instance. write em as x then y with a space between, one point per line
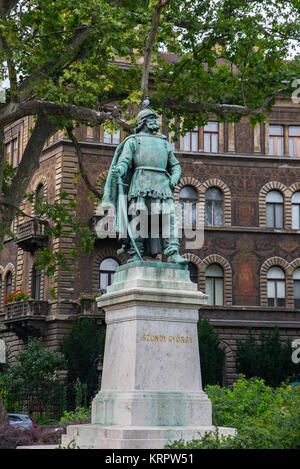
246 179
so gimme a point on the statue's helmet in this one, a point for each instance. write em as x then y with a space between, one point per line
145 113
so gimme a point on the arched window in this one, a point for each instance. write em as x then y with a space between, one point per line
214 207
296 278
193 269
274 208
8 283
296 210
106 275
276 287
36 283
188 198
214 284
39 197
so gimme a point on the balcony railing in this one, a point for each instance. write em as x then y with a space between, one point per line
89 308
32 235
26 309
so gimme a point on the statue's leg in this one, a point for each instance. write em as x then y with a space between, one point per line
132 252
172 249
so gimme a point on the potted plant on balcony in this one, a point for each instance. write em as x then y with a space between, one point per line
16 303
19 295
86 302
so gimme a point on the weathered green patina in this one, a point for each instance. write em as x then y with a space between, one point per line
148 170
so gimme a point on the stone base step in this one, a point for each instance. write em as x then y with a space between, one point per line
94 436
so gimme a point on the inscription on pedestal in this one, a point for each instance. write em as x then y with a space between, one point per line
175 339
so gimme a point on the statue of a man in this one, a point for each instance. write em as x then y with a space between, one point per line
145 164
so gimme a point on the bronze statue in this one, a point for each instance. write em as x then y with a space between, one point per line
144 168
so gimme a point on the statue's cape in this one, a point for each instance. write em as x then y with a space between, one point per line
111 189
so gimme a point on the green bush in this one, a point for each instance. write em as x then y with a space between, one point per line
212 356
80 415
264 417
267 357
82 347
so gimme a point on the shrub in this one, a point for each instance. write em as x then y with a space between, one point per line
82 347
266 357
264 417
212 356
80 415
86 296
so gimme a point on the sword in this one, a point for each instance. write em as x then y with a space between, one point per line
125 214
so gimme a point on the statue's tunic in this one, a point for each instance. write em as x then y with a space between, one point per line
151 170
153 164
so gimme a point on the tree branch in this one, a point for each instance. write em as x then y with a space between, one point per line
6 6
44 70
11 70
220 108
81 165
21 212
148 50
14 111
1 157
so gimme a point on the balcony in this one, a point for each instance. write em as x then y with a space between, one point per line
31 235
26 318
88 308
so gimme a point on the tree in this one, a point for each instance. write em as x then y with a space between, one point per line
33 375
82 348
267 357
62 59
211 354
230 57
35 365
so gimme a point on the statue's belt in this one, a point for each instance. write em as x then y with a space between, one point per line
161 170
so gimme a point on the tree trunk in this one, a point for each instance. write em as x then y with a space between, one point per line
3 414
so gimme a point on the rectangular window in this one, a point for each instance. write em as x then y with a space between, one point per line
214 290
7 151
113 138
211 137
296 216
297 294
15 153
274 215
276 140
190 140
276 293
294 140
213 213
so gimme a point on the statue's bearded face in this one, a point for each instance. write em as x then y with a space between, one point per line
152 124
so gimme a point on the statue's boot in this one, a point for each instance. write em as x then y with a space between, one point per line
176 258
133 259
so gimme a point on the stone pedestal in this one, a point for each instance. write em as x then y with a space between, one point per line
151 390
